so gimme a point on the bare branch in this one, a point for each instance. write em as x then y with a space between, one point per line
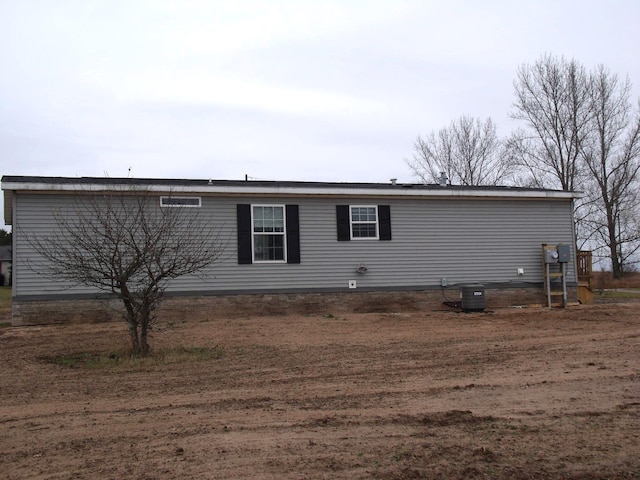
124 243
552 100
611 154
468 152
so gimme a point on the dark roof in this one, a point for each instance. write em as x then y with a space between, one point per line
255 183
5 253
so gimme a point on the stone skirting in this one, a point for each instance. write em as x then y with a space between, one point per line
203 307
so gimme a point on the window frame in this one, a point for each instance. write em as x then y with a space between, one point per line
375 223
178 205
265 234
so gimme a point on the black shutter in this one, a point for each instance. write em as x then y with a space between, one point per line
384 222
244 234
343 223
293 234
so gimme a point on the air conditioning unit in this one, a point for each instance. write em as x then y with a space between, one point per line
472 298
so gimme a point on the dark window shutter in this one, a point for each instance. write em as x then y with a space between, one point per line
293 234
384 222
244 234
343 223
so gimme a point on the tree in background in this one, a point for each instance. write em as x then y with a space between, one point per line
5 237
579 133
553 102
126 244
468 152
611 156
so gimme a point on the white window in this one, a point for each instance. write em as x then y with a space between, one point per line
364 221
180 202
268 230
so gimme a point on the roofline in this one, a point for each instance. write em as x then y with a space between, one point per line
284 188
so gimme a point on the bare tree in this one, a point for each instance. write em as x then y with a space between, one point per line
468 152
611 154
553 101
581 134
124 243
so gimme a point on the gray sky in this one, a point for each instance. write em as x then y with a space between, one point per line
277 90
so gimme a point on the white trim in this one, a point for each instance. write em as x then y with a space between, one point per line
283 234
397 190
376 223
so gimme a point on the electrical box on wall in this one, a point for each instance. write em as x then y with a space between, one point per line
564 253
550 256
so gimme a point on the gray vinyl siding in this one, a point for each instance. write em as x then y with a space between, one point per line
466 240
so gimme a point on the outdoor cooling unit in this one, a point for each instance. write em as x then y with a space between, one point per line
472 298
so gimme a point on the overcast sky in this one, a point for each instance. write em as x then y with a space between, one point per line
277 90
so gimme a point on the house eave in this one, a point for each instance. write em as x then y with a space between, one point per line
238 188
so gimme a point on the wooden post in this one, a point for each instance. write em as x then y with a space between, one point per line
585 274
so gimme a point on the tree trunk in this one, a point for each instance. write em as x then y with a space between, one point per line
132 321
144 344
616 263
135 339
145 321
614 244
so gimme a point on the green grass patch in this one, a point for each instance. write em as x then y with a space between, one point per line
610 294
5 297
165 356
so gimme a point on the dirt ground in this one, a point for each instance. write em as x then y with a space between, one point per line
514 393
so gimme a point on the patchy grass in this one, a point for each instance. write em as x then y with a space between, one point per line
617 295
174 355
605 280
5 306
5 297
608 289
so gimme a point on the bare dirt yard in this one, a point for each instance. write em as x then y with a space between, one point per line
513 393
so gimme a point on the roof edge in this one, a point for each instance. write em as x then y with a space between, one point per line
263 187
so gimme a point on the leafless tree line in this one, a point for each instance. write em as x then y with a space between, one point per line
579 131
